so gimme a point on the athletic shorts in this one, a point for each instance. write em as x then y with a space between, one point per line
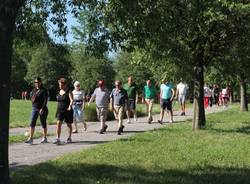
131 105
182 99
43 117
65 116
166 103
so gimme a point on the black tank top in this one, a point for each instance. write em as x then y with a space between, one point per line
63 101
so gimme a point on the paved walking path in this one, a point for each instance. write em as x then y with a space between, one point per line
21 154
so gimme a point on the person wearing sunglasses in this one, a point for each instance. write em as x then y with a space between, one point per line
39 97
119 98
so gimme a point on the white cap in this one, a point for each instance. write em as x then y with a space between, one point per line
76 83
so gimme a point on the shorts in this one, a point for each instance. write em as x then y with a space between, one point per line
43 117
66 116
78 113
182 99
166 103
131 105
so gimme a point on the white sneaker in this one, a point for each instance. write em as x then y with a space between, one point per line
135 119
128 121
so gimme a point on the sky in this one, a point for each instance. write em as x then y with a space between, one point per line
71 21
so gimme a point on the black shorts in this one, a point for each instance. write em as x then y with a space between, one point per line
131 105
66 116
166 103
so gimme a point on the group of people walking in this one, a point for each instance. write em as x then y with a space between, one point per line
123 98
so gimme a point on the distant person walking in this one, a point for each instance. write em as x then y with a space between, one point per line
225 97
119 99
149 96
181 94
39 97
131 89
64 111
216 94
167 94
207 95
101 96
78 106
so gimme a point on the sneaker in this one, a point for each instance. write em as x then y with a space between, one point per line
75 132
69 140
149 122
151 119
29 141
159 121
44 140
57 142
105 128
135 119
128 121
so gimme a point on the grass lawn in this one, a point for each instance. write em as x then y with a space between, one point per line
218 154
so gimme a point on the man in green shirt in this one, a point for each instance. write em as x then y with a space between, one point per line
131 89
149 95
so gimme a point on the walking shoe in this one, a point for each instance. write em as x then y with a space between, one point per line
149 122
29 141
128 121
119 131
57 142
105 128
159 121
44 140
69 140
75 132
135 119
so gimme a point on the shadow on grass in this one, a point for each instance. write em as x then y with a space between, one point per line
55 173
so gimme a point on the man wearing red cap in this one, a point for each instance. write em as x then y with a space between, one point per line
101 96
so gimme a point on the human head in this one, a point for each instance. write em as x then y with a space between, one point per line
101 83
130 80
118 84
38 82
62 83
77 85
148 82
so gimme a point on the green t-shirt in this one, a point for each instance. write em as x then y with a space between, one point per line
131 90
149 92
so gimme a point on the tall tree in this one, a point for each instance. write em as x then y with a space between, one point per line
199 27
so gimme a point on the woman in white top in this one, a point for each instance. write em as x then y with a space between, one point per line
78 106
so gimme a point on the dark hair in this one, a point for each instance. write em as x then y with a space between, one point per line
62 80
38 79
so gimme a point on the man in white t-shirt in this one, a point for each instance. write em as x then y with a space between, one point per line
181 93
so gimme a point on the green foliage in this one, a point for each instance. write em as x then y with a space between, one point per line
49 63
125 66
88 69
169 155
18 73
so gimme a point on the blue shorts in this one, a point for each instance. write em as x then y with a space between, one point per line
78 113
43 117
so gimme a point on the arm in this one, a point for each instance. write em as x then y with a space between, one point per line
173 94
71 101
45 96
93 96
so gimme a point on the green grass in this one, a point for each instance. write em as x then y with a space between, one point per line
20 112
176 155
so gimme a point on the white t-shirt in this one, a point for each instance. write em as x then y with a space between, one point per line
207 92
78 97
225 93
182 88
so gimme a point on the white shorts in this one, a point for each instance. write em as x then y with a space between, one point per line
182 99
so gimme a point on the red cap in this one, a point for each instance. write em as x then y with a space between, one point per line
101 83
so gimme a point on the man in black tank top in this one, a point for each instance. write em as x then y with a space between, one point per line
39 96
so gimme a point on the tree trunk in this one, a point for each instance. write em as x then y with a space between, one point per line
7 23
199 120
243 94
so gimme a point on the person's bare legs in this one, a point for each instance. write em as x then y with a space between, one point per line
70 130
58 129
45 130
32 130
